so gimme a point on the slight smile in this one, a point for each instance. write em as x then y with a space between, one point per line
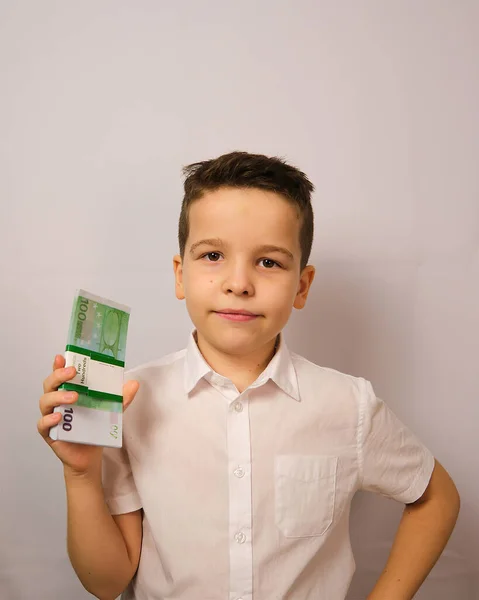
237 315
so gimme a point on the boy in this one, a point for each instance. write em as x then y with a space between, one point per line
240 458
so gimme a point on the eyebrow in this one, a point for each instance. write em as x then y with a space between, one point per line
217 243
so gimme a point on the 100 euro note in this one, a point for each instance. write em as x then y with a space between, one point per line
96 348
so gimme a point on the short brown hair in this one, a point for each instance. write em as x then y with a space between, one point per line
245 170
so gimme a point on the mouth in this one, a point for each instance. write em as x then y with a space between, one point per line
237 315
231 311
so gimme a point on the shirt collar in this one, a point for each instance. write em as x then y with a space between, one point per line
280 368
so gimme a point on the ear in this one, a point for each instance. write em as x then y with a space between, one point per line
305 282
178 270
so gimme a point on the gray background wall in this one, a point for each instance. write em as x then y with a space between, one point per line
101 104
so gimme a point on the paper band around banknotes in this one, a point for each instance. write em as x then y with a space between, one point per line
82 389
91 358
98 356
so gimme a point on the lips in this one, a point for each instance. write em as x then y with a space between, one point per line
228 311
237 315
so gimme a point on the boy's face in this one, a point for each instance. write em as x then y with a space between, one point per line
232 271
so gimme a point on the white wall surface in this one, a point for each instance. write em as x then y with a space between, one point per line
101 104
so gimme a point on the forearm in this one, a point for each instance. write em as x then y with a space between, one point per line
421 537
95 545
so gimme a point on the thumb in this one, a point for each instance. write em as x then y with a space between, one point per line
129 392
59 362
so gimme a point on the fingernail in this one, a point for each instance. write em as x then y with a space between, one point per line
69 396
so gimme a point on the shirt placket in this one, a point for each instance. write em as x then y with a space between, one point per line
240 510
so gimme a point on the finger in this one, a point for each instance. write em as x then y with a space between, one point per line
58 377
58 362
46 422
129 392
53 399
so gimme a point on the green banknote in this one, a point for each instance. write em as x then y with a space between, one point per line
96 346
99 325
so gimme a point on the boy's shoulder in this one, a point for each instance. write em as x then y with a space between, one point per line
155 366
306 368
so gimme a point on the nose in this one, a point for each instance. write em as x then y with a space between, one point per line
238 280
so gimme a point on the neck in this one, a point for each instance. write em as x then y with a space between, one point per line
241 370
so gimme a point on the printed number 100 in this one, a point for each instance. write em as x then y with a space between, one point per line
67 419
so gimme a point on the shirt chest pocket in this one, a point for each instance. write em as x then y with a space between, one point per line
305 489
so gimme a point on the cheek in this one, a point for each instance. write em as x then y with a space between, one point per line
201 288
282 297
195 280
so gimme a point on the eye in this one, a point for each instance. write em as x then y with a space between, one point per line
211 254
272 262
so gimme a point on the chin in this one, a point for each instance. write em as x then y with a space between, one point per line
235 338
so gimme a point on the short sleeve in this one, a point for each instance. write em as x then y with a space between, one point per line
119 488
393 461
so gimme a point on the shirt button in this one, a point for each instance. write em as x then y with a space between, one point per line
240 537
239 472
238 406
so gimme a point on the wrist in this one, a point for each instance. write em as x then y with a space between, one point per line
381 593
89 476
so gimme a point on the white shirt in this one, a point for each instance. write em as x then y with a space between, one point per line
247 496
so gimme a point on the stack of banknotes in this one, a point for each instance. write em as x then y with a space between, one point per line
96 348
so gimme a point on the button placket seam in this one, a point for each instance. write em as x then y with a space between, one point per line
240 527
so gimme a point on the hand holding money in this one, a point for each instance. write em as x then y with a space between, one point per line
87 382
96 347
78 458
